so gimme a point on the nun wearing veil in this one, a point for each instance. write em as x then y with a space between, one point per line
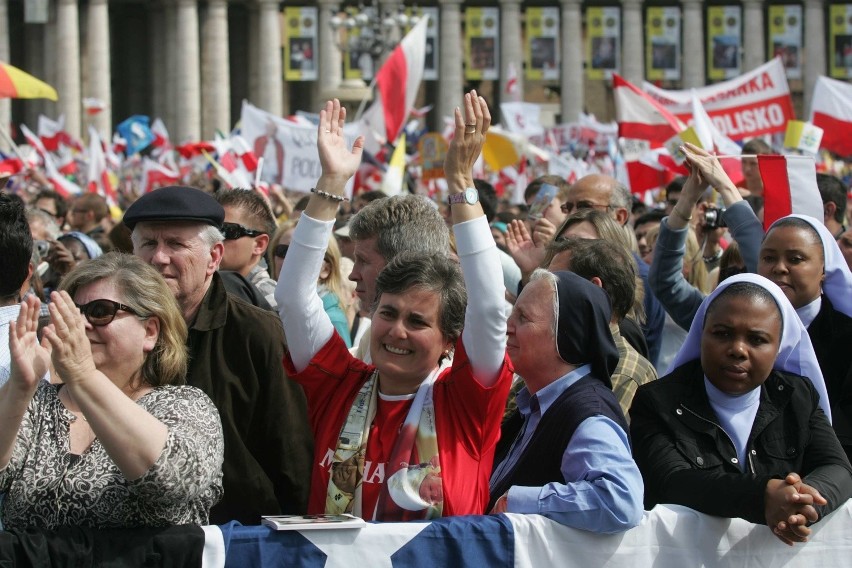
564 452
740 426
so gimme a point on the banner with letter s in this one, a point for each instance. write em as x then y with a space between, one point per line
753 104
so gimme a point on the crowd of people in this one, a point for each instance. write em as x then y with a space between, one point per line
200 360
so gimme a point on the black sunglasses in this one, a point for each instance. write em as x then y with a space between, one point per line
233 231
280 251
102 312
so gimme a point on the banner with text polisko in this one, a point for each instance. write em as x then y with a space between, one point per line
753 104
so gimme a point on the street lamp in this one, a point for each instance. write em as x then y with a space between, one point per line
368 33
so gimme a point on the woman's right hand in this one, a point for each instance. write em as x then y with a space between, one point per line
30 361
706 166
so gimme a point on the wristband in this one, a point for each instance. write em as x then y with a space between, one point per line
328 195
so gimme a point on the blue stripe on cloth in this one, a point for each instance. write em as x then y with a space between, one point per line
473 541
262 546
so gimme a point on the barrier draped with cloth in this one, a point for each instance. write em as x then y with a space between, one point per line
669 536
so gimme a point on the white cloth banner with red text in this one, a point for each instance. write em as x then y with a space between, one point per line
754 104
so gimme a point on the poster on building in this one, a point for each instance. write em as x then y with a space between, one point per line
840 41
542 45
300 43
662 49
430 67
357 60
785 37
482 47
724 41
603 41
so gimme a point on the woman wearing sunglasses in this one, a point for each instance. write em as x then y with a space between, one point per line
122 442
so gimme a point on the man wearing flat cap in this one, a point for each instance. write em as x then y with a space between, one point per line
235 352
564 453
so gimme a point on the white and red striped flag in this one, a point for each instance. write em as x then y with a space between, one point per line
831 110
53 134
397 84
513 93
99 179
155 175
639 116
789 186
62 185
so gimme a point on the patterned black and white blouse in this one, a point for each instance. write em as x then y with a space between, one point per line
49 488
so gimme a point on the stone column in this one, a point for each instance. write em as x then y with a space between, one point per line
187 73
269 73
632 50
693 63
68 65
754 45
573 89
451 79
171 67
215 70
330 59
511 45
5 104
99 74
157 63
815 61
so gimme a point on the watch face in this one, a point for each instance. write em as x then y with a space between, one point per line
471 196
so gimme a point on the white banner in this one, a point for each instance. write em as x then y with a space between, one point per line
288 149
753 104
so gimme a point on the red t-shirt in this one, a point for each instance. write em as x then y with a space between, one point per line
467 421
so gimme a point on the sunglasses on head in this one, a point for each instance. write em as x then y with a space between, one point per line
280 251
102 312
233 231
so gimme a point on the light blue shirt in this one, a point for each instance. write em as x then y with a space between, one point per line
603 490
809 312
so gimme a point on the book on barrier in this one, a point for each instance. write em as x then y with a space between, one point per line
312 522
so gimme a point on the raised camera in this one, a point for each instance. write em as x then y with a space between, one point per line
713 218
42 247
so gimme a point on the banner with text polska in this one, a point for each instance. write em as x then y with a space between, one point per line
754 104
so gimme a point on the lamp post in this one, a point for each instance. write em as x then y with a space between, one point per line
369 32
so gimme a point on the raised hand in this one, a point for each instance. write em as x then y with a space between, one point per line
71 350
523 249
706 166
338 161
468 140
30 361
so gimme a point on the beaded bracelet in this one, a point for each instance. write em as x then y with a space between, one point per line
328 195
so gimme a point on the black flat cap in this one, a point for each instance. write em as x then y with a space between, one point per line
175 203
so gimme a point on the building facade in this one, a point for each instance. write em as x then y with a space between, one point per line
192 62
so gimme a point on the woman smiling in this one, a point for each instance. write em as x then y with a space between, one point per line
406 437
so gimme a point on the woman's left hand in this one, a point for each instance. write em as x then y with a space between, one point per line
468 140
71 350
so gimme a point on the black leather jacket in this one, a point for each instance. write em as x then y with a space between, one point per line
686 458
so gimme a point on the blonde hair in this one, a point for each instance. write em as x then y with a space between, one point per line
694 261
334 281
146 292
285 226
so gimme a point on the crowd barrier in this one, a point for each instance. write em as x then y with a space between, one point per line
669 536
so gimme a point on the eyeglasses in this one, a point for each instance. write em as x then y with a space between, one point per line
102 312
569 207
280 251
233 231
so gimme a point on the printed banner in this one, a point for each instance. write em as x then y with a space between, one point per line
300 44
840 41
431 149
430 68
662 49
289 150
482 59
603 41
754 104
724 41
542 45
785 37
358 63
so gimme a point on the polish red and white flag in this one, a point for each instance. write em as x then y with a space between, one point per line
156 175
639 116
53 134
831 110
397 84
99 178
789 186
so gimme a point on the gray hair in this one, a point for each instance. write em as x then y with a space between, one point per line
50 226
402 223
208 234
544 274
621 196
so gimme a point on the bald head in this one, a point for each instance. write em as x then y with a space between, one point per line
597 191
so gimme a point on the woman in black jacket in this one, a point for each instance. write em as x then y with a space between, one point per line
801 256
737 430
